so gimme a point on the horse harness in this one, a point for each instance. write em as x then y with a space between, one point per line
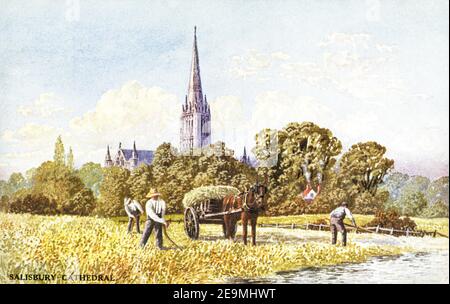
245 206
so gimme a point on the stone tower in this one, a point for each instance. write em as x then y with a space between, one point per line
195 131
245 158
108 160
134 157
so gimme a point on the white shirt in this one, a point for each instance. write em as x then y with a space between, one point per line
154 207
341 211
132 207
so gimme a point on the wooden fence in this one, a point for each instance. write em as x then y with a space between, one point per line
378 229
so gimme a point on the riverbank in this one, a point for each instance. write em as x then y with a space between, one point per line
409 268
94 246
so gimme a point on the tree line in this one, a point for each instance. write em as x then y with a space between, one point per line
289 159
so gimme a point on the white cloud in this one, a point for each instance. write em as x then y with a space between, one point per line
237 126
31 135
132 112
22 161
280 56
254 63
351 63
228 121
354 64
275 109
353 40
46 105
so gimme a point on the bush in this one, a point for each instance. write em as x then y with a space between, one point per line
83 203
4 203
391 219
34 204
367 203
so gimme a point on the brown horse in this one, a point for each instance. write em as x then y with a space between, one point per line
249 203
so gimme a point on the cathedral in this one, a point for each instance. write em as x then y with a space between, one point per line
195 131
128 158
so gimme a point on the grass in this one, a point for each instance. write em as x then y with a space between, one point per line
31 244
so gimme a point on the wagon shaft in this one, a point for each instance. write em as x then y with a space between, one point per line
223 213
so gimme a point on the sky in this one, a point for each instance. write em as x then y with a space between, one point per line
103 72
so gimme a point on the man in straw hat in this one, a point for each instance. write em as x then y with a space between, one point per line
337 222
155 209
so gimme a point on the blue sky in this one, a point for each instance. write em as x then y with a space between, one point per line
100 72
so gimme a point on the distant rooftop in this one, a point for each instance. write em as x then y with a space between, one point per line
144 156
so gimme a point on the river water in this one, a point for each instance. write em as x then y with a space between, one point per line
426 268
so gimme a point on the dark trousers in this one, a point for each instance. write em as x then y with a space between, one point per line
149 225
130 223
337 225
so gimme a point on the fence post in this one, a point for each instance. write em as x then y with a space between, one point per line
407 231
392 231
434 233
320 227
377 229
307 226
292 226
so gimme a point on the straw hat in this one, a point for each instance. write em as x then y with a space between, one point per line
152 193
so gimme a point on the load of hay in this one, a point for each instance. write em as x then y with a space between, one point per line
205 193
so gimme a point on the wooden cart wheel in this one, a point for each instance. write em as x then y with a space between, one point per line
191 225
233 233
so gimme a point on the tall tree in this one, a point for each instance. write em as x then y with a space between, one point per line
416 183
56 182
299 154
438 190
70 161
363 167
113 190
92 175
412 203
394 183
164 157
29 174
437 209
15 183
59 156
140 182
310 150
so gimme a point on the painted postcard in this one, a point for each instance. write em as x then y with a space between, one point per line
224 142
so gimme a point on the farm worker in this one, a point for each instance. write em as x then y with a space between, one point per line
155 209
337 217
134 211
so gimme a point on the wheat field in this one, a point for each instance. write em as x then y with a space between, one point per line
71 245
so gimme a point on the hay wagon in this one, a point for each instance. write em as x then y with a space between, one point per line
203 205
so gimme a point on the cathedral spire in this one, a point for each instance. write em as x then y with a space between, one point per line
134 153
108 160
195 131
195 95
108 155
